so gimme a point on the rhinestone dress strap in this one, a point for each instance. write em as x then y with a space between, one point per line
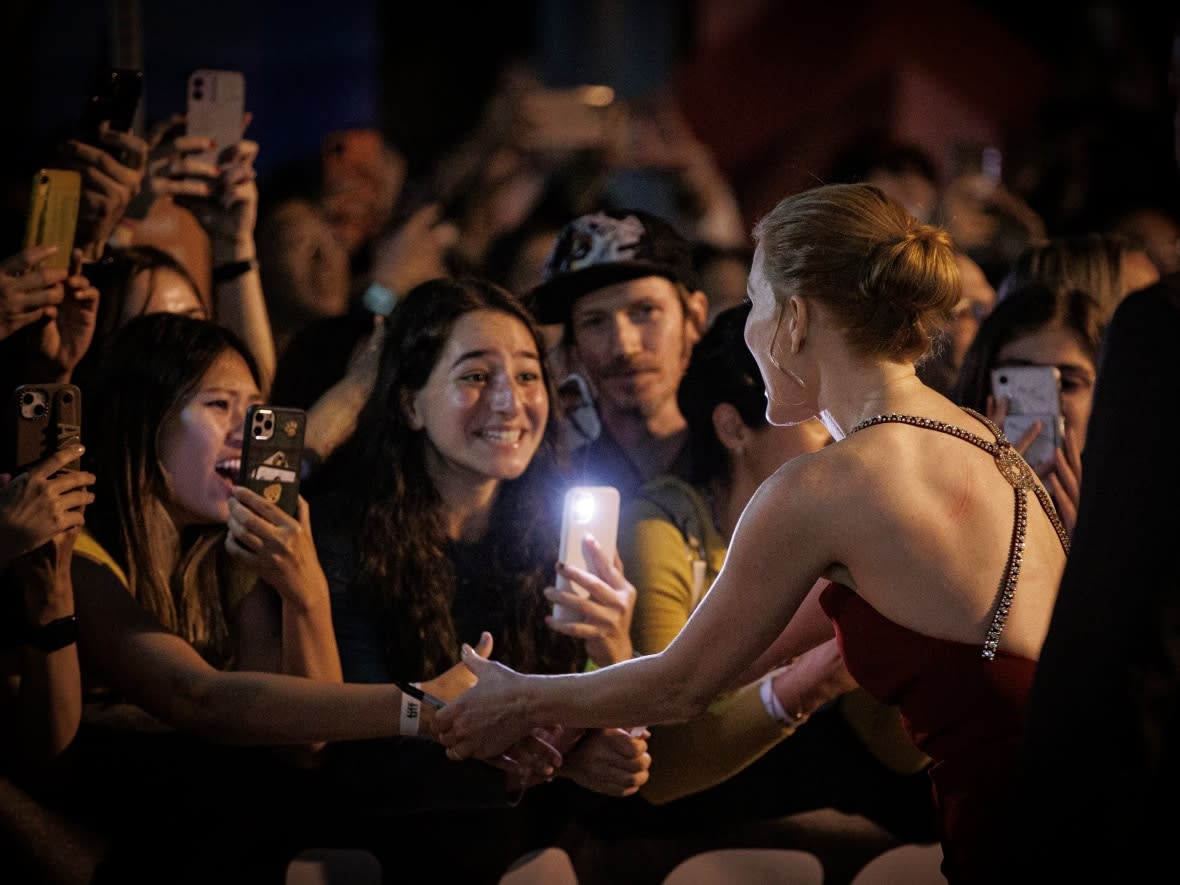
1022 479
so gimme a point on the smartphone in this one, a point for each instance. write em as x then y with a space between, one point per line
588 510
272 448
1034 394
216 107
46 418
569 119
53 214
114 98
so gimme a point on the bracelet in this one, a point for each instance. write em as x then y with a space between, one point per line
231 270
57 634
410 716
774 707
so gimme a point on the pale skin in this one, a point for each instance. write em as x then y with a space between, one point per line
915 522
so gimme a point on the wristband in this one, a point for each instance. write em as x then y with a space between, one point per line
231 270
774 707
55 635
410 716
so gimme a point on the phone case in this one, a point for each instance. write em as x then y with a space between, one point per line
216 104
46 417
588 510
1034 394
271 451
1049 439
53 214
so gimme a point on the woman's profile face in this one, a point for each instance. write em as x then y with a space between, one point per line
1055 345
200 445
786 401
485 406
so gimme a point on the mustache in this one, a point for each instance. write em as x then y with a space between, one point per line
626 365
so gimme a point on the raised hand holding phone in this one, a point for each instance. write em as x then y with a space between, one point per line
592 600
28 290
1028 395
54 203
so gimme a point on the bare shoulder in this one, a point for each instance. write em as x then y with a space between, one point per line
809 495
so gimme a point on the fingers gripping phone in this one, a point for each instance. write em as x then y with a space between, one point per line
588 510
216 106
1034 394
53 214
46 418
114 98
272 448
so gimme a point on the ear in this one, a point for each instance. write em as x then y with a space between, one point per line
696 311
410 410
798 322
730 429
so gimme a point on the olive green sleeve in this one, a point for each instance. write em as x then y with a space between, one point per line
688 757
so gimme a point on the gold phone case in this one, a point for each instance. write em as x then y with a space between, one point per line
53 214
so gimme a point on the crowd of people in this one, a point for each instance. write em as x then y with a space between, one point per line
836 571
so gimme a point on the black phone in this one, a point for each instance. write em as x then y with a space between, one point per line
114 97
44 418
272 449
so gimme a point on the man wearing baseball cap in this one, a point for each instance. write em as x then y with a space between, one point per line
622 284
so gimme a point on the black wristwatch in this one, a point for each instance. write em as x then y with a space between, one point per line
55 635
231 270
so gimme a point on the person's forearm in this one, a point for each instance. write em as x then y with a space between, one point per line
279 710
309 642
240 306
50 699
641 691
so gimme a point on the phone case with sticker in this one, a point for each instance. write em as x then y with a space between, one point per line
272 448
47 417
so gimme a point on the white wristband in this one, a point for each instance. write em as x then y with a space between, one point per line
774 707
411 714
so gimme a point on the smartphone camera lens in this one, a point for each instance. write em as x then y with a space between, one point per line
268 424
198 94
26 399
1003 379
199 82
39 409
67 398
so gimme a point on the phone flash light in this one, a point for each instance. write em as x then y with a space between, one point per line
582 508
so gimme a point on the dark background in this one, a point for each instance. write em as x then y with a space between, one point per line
1076 92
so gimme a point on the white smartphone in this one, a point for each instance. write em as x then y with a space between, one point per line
588 510
1034 394
216 107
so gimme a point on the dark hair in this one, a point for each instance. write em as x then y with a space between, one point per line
889 279
1022 312
113 276
376 489
154 363
1091 263
720 370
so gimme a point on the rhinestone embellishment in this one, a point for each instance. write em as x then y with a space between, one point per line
1021 477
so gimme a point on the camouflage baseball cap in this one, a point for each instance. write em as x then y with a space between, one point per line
608 247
